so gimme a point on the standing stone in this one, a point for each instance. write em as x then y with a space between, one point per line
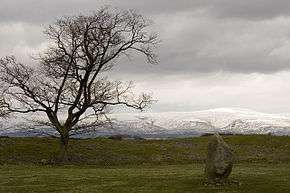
219 161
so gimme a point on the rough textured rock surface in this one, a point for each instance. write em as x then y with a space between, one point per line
219 161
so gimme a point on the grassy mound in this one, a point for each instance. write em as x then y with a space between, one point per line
108 152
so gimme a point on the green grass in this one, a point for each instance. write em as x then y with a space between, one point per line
101 152
254 178
147 166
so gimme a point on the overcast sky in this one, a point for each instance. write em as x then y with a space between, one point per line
214 53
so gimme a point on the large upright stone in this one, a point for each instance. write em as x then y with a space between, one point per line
219 161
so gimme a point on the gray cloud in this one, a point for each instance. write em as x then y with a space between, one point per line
194 43
47 10
250 9
197 36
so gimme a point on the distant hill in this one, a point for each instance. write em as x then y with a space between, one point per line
174 124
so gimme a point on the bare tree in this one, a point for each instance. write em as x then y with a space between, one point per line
3 111
68 85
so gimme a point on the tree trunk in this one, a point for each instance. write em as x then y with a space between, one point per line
63 154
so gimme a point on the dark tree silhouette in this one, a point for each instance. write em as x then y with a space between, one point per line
68 83
3 111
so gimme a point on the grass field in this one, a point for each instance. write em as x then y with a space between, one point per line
264 178
103 165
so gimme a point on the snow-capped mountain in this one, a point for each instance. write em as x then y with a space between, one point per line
183 124
225 120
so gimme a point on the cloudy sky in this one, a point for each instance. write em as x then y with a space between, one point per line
214 53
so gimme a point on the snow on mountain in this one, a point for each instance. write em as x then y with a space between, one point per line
183 124
226 120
